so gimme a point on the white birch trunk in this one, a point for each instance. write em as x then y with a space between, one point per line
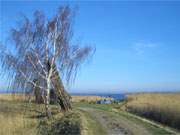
47 99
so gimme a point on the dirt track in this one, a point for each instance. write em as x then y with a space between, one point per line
113 124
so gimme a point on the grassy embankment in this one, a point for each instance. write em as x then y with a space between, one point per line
160 107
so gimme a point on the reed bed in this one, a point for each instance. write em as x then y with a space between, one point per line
160 107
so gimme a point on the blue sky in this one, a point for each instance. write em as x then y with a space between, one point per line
137 43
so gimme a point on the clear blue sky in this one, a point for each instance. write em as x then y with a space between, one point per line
137 43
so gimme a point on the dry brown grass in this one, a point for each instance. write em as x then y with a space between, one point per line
15 121
20 118
12 97
87 98
161 107
22 97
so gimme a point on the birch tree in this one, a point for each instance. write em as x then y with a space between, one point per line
41 49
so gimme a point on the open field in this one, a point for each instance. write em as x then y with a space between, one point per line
22 118
88 98
12 97
160 107
21 97
16 120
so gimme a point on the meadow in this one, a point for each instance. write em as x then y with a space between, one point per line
19 117
160 107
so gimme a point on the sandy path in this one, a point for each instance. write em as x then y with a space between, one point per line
110 123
